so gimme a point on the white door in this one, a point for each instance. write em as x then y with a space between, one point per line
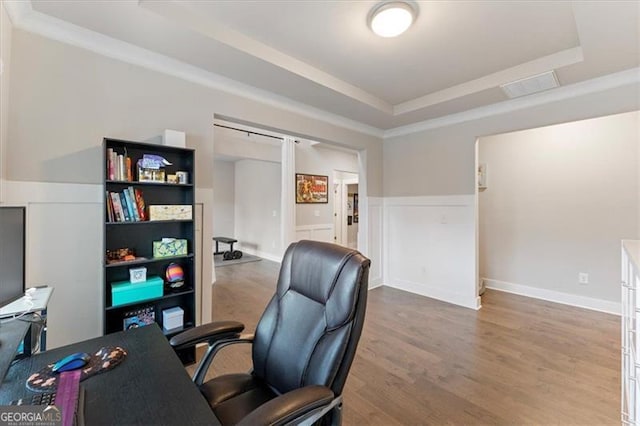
337 212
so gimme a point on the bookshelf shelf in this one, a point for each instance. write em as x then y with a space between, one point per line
140 262
131 199
150 222
138 183
149 301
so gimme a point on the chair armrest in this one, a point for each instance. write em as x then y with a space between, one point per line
207 332
215 344
289 407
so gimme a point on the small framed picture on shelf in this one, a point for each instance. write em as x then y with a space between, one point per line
150 175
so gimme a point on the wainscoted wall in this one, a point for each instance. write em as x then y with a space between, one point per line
374 227
429 247
64 249
321 232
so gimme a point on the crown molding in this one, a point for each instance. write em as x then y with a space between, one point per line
599 84
25 18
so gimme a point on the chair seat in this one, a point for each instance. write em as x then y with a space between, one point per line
233 396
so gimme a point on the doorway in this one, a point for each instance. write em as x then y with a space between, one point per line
345 208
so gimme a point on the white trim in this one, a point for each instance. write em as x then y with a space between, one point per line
555 296
22 192
610 81
287 191
27 19
268 256
429 200
313 229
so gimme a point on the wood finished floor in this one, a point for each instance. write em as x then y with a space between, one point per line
421 361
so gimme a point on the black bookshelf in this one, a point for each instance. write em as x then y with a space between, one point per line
138 236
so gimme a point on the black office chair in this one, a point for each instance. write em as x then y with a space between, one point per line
303 346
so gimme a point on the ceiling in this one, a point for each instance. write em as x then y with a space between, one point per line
322 54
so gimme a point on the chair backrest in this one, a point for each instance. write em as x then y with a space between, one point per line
309 331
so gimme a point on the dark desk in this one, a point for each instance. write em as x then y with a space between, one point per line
150 387
12 333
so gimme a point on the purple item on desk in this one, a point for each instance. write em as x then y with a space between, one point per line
103 360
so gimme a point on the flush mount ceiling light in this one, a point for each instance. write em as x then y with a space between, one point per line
390 19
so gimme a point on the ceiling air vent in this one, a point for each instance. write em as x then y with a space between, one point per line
529 85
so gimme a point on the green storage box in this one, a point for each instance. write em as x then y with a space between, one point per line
123 292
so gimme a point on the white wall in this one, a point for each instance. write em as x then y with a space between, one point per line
223 198
558 202
257 208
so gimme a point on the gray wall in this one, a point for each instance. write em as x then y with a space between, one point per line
257 207
223 198
441 161
558 202
5 55
66 99
317 160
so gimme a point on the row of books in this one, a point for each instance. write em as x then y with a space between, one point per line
126 206
119 166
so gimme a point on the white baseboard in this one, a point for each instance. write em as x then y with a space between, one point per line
555 296
434 292
374 284
268 256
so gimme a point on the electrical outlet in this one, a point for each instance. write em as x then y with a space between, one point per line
583 278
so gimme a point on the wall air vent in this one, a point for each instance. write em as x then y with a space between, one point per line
529 85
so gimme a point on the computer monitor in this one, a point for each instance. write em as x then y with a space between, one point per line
12 254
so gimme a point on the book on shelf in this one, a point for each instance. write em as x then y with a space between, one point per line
119 166
140 204
126 206
117 207
131 201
